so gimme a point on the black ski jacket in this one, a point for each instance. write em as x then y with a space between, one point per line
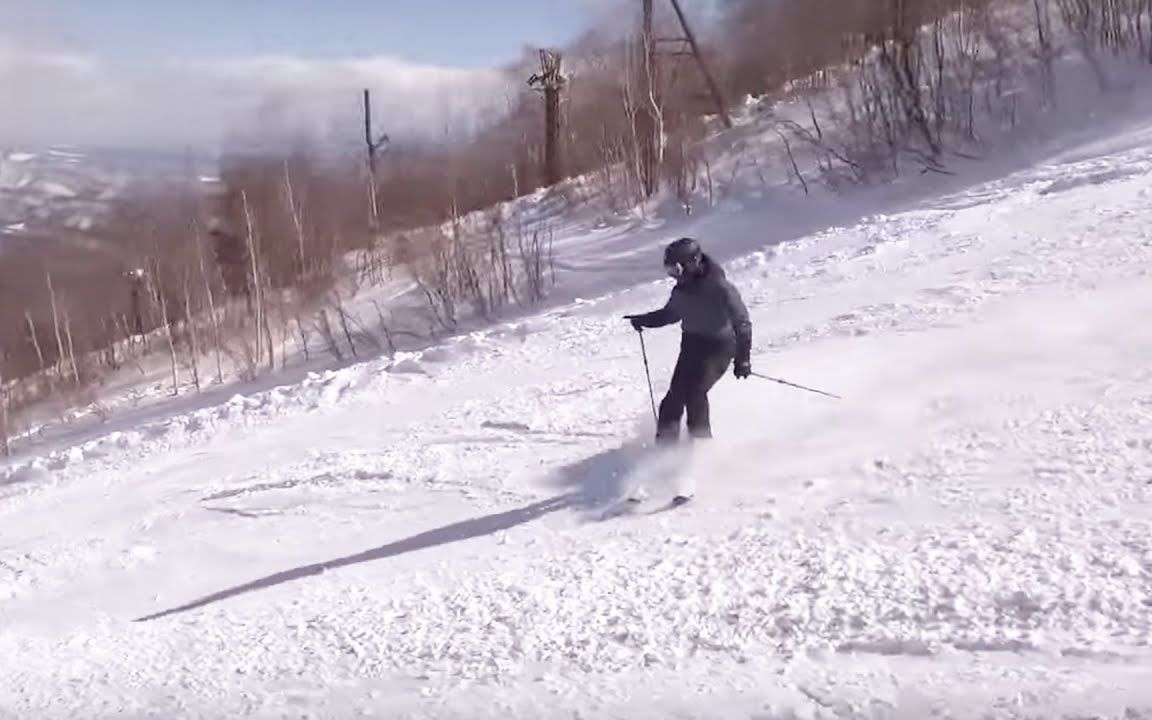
707 305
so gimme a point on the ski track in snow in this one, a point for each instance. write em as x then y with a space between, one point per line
970 529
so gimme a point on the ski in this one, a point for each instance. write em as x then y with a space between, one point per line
676 502
632 506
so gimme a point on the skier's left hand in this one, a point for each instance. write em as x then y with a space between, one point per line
742 369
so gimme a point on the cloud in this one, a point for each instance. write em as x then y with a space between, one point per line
59 96
300 93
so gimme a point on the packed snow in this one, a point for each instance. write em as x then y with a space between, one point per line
967 533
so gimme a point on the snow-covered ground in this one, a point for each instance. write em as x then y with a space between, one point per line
968 533
49 192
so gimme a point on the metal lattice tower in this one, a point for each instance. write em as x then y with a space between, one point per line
550 81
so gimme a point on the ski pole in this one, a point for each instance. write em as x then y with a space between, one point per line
792 384
648 373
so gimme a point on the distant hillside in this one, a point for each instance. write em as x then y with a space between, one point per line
46 191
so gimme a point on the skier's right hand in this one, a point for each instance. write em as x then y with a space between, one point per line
637 325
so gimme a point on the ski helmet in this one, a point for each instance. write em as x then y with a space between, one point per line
683 256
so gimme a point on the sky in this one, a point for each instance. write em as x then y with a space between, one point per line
178 73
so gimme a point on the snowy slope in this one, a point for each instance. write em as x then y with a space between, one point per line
967 534
747 199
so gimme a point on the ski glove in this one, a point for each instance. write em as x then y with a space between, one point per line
637 322
742 369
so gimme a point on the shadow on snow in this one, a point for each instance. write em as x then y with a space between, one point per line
587 485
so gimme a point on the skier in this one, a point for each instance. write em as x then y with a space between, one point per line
716 331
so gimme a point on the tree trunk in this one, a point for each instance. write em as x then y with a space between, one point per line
257 284
60 353
194 339
5 447
215 320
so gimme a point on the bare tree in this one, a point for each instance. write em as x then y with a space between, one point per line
5 421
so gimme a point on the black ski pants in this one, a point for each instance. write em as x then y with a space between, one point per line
703 361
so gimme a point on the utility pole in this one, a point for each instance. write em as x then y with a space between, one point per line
709 78
550 81
650 106
374 145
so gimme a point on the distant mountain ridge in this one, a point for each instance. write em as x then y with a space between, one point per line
62 188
